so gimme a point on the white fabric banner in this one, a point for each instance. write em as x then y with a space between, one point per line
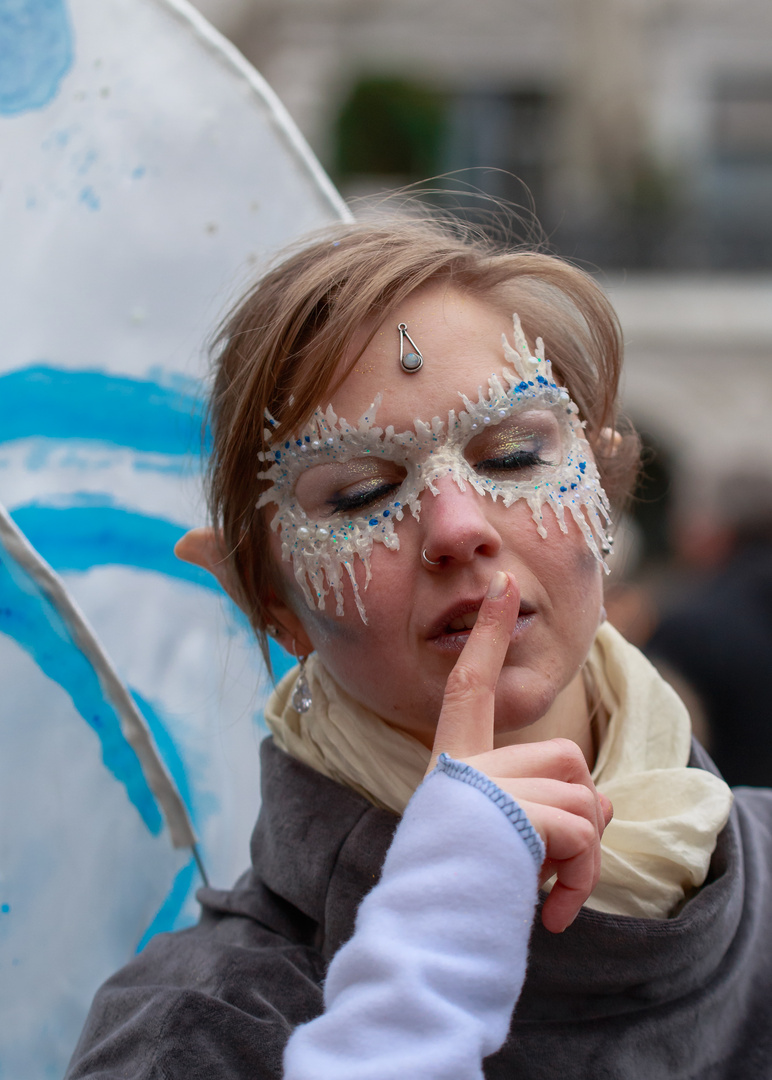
146 172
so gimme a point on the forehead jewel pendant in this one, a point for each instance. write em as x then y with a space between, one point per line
411 361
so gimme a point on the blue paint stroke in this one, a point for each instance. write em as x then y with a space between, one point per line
100 533
89 198
6 931
33 623
167 916
95 406
170 755
36 53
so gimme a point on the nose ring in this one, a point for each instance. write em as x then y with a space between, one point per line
427 561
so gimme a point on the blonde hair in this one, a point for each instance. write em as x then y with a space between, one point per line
281 348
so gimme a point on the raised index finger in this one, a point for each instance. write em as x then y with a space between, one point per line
465 727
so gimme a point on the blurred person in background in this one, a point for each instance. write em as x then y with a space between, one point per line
715 642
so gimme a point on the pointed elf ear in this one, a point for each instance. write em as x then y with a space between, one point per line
204 547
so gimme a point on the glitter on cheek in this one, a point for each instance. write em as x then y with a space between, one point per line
323 552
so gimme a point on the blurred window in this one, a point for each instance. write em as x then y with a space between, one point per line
737 182
743 122
394 131
510 131
391 128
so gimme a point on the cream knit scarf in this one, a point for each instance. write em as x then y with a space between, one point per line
667 817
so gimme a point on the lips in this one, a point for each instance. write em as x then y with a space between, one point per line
463 622
457 621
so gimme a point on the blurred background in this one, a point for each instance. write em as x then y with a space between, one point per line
639 135
147 173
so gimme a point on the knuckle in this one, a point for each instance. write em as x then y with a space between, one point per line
569 758
585 802
585 834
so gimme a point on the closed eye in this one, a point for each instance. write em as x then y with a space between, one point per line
522 444
352 486
519 459
360 496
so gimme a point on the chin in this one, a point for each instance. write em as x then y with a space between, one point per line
523 699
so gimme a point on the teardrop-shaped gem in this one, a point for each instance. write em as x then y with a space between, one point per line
301 696
412 361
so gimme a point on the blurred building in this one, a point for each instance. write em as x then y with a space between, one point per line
642 131
642 128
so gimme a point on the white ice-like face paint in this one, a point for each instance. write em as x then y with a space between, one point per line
339 488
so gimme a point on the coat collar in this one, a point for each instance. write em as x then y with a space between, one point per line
318 848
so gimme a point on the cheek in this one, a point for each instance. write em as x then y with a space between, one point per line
571 573
583 586
324 627
321 626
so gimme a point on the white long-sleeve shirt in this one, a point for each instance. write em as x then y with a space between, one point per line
427 984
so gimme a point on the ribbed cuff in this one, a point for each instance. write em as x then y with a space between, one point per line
511 809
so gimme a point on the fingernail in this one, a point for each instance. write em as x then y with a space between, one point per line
498 585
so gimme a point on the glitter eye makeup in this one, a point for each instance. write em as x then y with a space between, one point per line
347 486
338 487
517 447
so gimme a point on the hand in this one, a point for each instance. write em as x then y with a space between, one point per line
550 780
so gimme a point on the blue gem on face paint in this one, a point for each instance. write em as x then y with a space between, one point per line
563 488
582 466
386 513
373 521
286 446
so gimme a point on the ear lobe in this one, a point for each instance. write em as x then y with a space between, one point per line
290 632
204 547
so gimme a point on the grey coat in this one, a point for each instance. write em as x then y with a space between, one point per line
690 997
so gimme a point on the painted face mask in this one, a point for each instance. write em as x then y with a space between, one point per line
339 488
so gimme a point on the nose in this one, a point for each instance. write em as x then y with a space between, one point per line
456 526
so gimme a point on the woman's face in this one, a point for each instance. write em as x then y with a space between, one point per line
418 616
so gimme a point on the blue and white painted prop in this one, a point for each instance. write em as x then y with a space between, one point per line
147 172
